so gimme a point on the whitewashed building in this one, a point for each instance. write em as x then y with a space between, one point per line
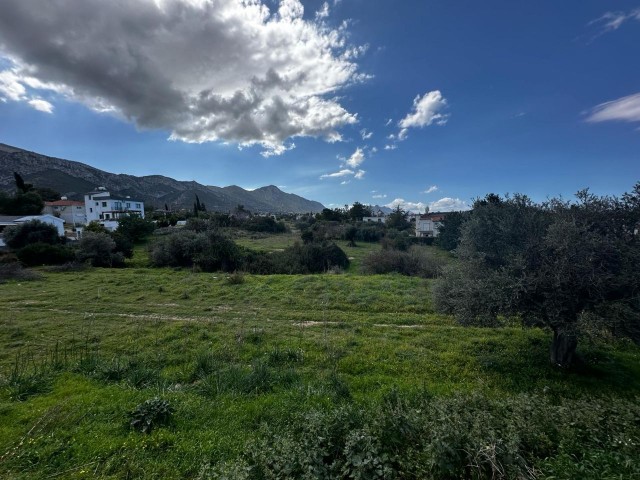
71 211
427 225
101 206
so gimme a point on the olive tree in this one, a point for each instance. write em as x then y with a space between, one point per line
552 265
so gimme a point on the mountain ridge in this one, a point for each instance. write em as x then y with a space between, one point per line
73 179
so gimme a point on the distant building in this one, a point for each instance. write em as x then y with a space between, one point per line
378 217
427 224
72 212
101 206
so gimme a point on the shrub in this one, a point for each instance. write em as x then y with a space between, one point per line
14 271
151 414
415 262
44 254
34 231
99 250
264 224
135 228
208 250
301 259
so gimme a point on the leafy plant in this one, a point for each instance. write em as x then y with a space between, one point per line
151 414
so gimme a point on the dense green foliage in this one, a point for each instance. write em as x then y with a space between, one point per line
99 249
558 264
45 254
33 231
415 262
134 228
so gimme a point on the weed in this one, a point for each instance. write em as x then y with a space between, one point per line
151 414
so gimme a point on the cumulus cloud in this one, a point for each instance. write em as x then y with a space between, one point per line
41 105
356 158
426 111
625 109
349 166
431 189
446 204
206 70
391 146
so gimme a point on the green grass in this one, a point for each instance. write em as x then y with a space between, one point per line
80 350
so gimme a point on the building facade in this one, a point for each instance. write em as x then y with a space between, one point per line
72 212
427 225
101 206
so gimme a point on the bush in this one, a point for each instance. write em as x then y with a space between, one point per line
14 271
299 259
45 254
99 250
135 228
461 436
415 262
34 231
264 224
151 414
208 250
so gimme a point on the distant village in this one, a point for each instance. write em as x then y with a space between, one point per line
71 216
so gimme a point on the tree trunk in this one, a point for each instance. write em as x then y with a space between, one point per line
563 348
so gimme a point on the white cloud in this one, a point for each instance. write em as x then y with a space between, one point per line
392 146
353 162
323 12
389 122
431 189
41 105
341 173
366 135
374 149
623 109
206 70
611 21
345 182
445 204
356 158
379 196
426 111
448 204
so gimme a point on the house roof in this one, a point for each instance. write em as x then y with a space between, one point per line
64 203
13 219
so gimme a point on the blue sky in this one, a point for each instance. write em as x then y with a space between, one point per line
422 103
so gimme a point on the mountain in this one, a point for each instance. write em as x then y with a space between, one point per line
74 179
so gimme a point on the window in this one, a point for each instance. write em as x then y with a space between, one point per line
137 205
97 204
104 204
106 215
90 210
128 205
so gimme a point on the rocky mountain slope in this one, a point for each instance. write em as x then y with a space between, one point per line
74 179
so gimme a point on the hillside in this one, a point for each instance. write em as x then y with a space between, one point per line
73 179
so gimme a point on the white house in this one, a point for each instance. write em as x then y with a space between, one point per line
72 212
427 225
101 206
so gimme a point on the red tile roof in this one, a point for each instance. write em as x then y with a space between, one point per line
63 203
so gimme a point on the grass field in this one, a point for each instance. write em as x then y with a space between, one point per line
239 361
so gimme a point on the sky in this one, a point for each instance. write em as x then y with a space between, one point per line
417 103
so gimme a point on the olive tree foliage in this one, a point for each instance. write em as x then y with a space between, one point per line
561 265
